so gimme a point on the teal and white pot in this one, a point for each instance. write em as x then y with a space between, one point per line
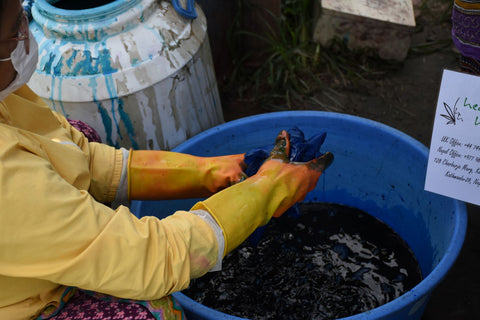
135 70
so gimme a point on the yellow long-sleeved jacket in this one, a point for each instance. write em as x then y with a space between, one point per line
55 231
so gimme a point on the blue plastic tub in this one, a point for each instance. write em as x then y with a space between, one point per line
377 169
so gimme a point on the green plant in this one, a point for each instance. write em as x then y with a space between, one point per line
288 52
293 66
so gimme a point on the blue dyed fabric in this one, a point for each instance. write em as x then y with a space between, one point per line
301 150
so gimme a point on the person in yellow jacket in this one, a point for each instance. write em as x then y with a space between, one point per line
62 249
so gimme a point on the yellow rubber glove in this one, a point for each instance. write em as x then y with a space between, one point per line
161 175
277 186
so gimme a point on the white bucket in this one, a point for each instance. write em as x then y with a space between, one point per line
135 70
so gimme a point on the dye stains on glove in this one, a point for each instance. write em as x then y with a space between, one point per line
162 175
300 177
301 150
278 185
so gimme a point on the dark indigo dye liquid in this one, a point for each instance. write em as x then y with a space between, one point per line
330 262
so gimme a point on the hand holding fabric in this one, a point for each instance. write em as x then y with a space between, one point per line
278 184
301 150
295 179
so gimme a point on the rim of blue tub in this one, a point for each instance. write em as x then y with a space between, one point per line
417 295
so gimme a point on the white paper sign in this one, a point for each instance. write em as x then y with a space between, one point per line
454 160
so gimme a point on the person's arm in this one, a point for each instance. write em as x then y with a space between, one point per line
53 231
25 110
154 175
160 175
139 174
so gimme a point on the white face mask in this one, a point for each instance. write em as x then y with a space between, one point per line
24 65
